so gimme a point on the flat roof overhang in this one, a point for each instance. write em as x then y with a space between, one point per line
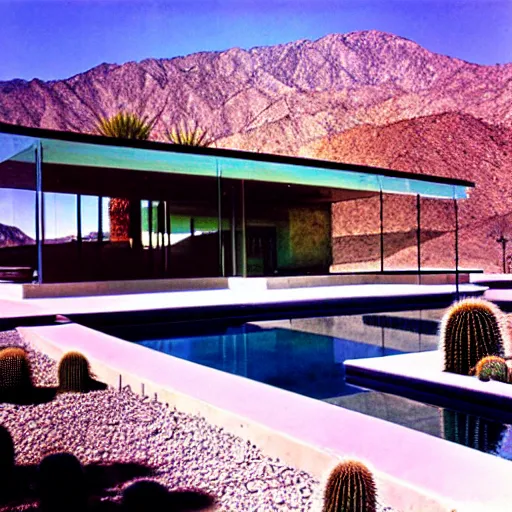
83 150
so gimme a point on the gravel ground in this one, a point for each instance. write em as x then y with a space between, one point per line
114 426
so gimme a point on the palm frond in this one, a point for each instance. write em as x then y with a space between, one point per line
125 125
186 135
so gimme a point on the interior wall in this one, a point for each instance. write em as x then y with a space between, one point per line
309 238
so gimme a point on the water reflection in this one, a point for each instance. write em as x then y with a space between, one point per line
306 356
476 432
309 364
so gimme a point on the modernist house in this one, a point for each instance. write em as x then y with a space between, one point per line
77 207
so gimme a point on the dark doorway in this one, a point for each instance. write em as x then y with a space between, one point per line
261 251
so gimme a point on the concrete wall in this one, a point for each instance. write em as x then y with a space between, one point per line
306 241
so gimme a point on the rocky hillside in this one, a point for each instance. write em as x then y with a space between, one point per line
280 97
11 236
365 97
444 145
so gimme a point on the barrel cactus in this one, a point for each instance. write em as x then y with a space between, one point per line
74 373
350 488
471 330
15 375
491 368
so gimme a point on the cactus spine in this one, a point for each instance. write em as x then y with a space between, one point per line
74 373
15 375
491 368
350 488
471 330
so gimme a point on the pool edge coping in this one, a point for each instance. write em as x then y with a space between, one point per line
301 453
425 369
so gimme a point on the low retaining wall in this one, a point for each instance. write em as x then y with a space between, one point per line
414 471
97 288
94 288
366 278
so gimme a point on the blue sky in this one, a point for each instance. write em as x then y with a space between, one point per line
51 39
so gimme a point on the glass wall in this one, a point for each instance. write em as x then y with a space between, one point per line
117 224
400 232
233 222
188 220
356 234
60 240
18 233
437 234
288 229
272 229
486 244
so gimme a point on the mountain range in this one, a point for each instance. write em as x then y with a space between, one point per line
11 236
365 97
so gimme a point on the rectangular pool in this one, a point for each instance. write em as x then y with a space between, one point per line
306 356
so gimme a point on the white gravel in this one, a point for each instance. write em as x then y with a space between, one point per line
186 451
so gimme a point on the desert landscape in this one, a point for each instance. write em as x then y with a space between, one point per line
365 97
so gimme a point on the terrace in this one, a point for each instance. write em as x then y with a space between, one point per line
229 271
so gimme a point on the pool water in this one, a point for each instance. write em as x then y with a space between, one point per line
306 356
309 364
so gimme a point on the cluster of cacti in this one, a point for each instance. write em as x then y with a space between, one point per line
350 488
491 368
471 330
15 375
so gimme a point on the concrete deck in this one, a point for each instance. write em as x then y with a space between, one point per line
414 471
241 293
423 372
502 282
490 278
502 297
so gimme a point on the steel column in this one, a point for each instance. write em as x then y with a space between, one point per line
244 234
39 211
418 234
456 208
381 196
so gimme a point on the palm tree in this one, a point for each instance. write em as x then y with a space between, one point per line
188 135
124 215
125 125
